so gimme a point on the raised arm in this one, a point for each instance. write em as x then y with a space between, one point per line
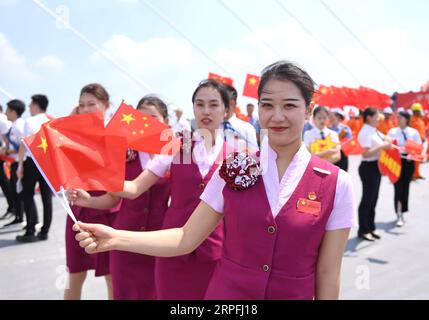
162 243
133 189
82 198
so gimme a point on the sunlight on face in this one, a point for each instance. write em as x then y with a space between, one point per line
282 111
209 109
88 103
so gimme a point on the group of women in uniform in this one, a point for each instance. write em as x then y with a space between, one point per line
235 227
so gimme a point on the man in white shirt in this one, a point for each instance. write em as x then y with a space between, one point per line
238 133
181 124
15 108
4 183
30 175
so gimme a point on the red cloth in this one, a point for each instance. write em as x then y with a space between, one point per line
77 152
224 80
143 132
251 86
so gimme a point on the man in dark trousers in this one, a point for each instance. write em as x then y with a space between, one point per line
30 175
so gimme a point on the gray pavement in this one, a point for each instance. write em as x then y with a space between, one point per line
394 267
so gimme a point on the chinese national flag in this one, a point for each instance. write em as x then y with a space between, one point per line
412 147
251 86
76 152
142 131
352 147
224 80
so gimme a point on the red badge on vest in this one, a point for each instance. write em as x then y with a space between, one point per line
309 206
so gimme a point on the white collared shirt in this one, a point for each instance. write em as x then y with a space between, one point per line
181 125
411 134
16 134
370 137
313 134
246 130
5 125
33 124
278 193
204 158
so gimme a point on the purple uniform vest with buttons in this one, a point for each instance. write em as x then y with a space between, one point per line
273 258
187 277
133 275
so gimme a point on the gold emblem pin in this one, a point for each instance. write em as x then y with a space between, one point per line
312 196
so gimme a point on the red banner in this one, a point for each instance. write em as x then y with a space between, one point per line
390 164
224 80
405 100
338 97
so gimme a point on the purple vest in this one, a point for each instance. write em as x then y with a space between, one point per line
273 258
77 259
147 211
133 274
187 185
186 277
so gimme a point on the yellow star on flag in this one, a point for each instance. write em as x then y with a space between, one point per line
43 145
253 81
128 118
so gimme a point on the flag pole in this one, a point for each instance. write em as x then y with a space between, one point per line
63 201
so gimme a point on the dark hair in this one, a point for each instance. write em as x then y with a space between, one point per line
232 92
1 108
218 86
156 102
16 105
96 90
287 71
319 109
406 115
369 112
41 100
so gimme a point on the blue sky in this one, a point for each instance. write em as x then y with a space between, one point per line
37 55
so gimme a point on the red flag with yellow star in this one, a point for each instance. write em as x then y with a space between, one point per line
77 152
143 132
251 86
224 80
352 147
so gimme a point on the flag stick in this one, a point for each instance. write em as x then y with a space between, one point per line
63 201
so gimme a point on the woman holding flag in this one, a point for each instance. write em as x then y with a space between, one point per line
186 276
403 134
285 231
374 142
133 275
322 141
93 98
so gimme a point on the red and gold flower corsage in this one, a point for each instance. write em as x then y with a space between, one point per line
240 171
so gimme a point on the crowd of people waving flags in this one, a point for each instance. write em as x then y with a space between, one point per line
240 207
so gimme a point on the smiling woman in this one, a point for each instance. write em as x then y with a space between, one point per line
285 231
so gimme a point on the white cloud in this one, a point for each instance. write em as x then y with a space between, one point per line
12 63
154 54
50 64
393 47
8 2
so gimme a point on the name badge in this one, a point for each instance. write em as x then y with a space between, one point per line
309 206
